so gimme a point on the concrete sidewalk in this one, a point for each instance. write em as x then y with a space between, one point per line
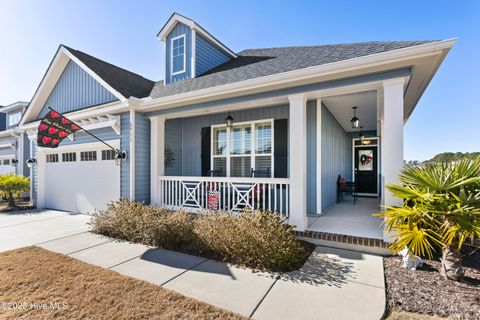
333 284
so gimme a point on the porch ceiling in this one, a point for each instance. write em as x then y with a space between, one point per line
341 108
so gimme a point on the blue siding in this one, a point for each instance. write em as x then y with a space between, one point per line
173 141
142 158
208 56
191 155
125 146
311 157
179 29
336 156
75 90
3 121
26 155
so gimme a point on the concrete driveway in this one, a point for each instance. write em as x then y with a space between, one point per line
26 228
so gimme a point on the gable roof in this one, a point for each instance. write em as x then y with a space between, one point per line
127 83
178 18
255 63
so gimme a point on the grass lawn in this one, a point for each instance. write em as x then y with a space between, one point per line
42 284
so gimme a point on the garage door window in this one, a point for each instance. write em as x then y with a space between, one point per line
52 157
108 154
88 156
69 157
6 161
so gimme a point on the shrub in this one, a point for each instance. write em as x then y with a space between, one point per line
259 240
12 186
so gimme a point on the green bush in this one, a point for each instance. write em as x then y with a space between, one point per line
259 240
12 186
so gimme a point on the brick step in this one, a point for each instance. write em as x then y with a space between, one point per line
342 241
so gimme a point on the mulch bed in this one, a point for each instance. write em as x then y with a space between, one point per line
20 205
39 284
426 291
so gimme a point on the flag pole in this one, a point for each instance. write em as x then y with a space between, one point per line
116 150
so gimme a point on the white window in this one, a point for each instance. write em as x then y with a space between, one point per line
52 157
69 157
88 156
246 146
108 154
14 118
178 56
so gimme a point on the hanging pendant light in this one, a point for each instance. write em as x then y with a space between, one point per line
229 120
355 121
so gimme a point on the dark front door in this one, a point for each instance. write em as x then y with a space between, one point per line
366 169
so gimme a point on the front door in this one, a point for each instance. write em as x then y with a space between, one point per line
366 169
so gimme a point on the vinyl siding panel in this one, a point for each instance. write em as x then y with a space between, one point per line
75 90
173 141
125 146
208 56
179 29
311 157
3 121
191 155
8 150
142 158
336 157
26 155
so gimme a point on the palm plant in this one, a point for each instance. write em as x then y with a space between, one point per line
441 210
12 186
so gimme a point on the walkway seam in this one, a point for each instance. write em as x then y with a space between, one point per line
70 235
264 296
95 245
184 271
125 261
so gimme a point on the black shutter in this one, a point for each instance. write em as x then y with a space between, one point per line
280 152
205 155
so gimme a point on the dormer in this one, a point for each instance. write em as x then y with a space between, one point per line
13 114
190 50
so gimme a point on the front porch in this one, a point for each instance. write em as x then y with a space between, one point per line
284 156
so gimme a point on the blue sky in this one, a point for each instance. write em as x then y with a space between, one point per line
124 33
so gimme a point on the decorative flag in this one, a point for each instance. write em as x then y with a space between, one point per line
53 129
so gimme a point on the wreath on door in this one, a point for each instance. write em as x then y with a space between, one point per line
364 159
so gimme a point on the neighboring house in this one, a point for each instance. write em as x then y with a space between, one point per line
290 113
14 145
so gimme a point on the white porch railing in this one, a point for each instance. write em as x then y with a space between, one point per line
224 193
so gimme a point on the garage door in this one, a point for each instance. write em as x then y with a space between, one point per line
6 165
81 180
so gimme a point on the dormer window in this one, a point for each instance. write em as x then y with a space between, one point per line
178 61
14 118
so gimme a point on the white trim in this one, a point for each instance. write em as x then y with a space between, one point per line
157 156
252 153
30 171
20 156
184 69
132 154
80 147
193 58
377 145
319 156
8 145
14 105
175 18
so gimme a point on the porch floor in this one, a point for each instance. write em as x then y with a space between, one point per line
350 219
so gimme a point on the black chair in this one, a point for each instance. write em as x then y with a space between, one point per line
216 173
348 187
264 173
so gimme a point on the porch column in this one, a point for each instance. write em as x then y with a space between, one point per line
392 137
298 161
318 155
157 156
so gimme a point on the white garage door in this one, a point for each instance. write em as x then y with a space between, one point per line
6 165
82 179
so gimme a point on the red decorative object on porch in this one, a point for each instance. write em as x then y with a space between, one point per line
213 200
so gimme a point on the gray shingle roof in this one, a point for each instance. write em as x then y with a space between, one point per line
254 63
129 84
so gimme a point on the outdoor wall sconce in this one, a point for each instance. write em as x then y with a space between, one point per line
30 162
355 121
229 120
120 156
14 162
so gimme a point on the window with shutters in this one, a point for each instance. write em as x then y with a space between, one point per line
244 147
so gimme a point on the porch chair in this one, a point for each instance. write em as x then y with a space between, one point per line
346 187
264 173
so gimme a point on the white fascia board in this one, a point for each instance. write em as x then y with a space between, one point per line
110 108
374 60
80 146
13 106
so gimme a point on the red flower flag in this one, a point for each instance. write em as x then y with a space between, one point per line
53 129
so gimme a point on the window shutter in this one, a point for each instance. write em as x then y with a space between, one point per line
280 152
205 155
